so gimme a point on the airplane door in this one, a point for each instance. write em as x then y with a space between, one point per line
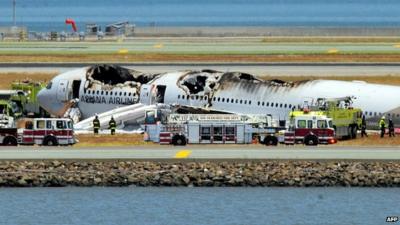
145 94
76 84
160 93
62 90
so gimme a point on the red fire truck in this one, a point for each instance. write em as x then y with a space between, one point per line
46 131
310 129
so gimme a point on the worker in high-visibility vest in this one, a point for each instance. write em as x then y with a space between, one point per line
382 126
391 128
112 125
96 125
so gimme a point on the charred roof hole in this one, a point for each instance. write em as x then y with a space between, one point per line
209 71
246 76
112 75
238 76
195 84
212 85
277 82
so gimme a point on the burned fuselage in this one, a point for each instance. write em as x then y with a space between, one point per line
106 87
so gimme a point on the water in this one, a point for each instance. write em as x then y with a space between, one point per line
44 15
198 205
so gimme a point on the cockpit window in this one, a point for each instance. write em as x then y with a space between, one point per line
49 85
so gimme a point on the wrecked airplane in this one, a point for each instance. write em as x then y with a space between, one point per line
103 88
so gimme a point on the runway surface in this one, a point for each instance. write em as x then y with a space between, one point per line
202 152
201 46
259 69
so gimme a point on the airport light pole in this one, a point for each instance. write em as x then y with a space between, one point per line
14 4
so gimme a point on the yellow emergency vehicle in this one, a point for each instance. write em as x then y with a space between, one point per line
346 119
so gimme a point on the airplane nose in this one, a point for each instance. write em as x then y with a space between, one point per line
43 99
47 99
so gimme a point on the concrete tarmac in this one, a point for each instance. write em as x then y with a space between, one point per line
259 69
201 152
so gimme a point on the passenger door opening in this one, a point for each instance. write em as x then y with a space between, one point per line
75 88
160 94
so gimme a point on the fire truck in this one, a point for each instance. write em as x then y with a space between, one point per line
346 120
46 131
26 98
182 129
310 129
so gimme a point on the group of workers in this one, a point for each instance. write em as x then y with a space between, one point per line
112 125
382 127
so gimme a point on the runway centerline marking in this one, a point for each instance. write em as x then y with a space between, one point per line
182 154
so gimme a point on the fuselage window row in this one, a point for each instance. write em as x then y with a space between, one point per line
237 101
93 92
380 114
215 99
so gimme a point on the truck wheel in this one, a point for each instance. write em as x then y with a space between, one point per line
10 141
50 141
271 140
354 132
311 140
179 140
349 132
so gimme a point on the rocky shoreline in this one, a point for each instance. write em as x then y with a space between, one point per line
185 173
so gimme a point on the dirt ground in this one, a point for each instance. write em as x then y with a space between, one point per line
89 140
372 140
7 78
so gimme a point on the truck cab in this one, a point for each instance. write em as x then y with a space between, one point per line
310 129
